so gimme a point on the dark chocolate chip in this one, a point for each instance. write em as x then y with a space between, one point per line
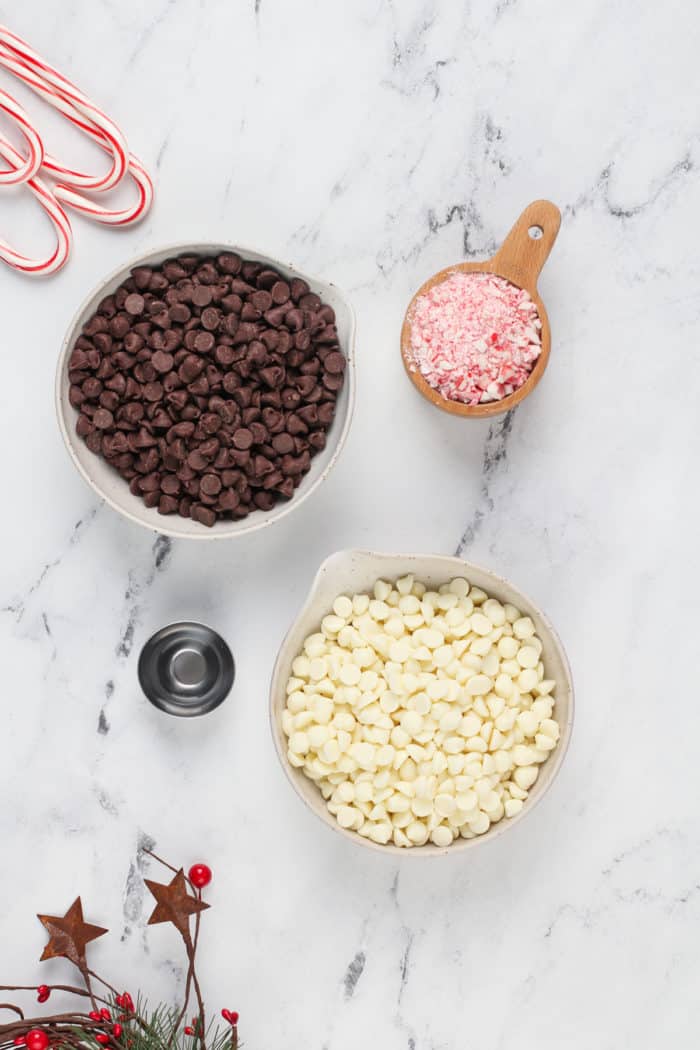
204 515
179 313
298 288
153 391
294 320
145 367
224 355
103 419
196 461
142 277
229 262
326 412
261 300
201 295
211 318
170 484
332 382
120 325
162 362
204 342
280 292
210 485
167 505
335 363
103 342
242 439
134 304
232 304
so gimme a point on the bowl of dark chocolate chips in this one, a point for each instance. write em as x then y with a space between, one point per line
205 391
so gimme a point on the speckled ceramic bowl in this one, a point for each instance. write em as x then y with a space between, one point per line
112 488
354 571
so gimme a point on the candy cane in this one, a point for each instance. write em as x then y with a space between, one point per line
28 168
61 94
18 58
107 216
59 219
79 110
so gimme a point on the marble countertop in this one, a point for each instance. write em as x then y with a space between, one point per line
374 143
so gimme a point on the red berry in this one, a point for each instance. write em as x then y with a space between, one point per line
102 1038
19 1040
188 1030
199 875
36 1039
94 1015
42 993
105 1014
234 1017
117 1031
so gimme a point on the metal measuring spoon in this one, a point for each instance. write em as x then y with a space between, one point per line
186 669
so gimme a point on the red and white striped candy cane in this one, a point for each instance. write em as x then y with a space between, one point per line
119 216
70 185
58 217
28 167
67 99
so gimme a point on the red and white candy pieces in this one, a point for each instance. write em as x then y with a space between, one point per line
475 337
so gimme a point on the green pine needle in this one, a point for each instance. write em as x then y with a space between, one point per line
156 1030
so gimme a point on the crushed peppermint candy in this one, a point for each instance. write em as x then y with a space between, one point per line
475 337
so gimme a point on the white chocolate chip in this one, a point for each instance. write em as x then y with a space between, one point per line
480 823
411 706
550 728
480 624
441 835
528 722
494 611
479 685
525 776
343 607
523 628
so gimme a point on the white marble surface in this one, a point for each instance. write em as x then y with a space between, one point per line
373 143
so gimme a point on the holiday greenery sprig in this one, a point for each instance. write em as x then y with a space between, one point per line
114 1020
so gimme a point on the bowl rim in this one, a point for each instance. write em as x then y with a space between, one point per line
268 518
429 849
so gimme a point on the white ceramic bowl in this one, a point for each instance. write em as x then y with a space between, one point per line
355 571
112 488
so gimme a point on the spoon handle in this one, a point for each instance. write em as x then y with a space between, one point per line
521 256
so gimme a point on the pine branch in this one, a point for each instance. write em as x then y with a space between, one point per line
118 1024
141 1030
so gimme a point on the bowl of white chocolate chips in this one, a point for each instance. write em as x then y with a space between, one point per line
419 703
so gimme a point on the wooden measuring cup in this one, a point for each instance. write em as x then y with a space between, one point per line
519 260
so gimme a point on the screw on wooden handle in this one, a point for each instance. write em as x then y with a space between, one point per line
526 248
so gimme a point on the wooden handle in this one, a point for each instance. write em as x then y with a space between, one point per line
522 256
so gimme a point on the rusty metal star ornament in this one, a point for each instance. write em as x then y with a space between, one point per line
174 903
69 935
